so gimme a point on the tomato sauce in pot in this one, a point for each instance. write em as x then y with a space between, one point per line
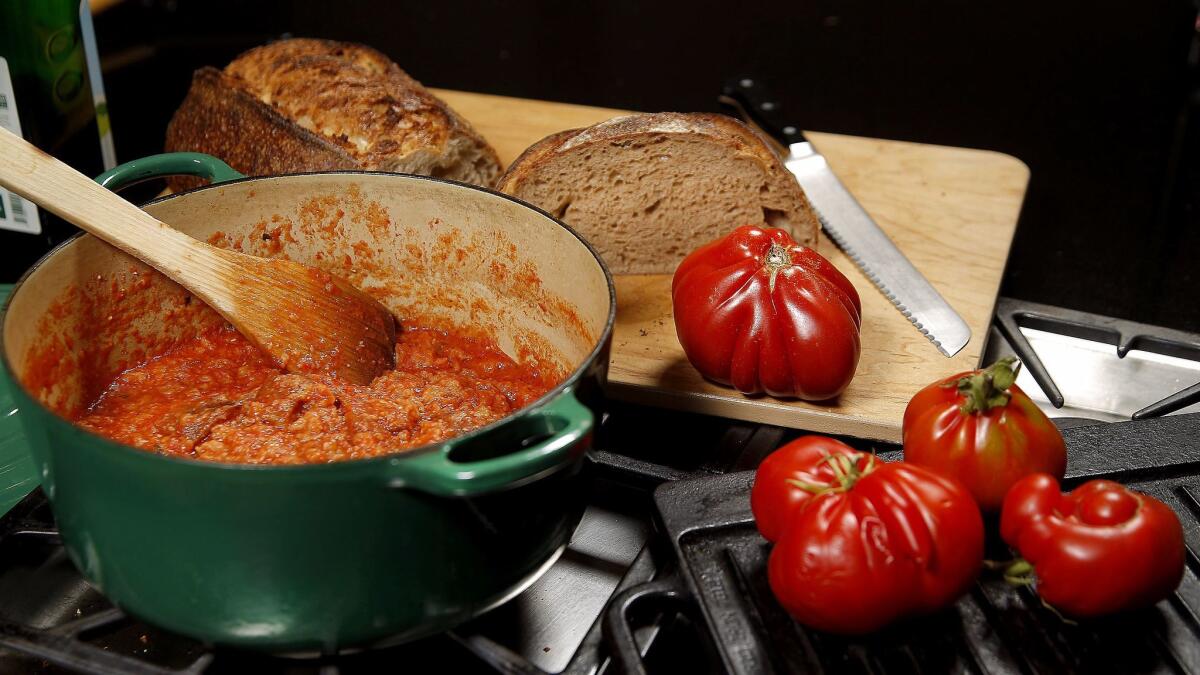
216 397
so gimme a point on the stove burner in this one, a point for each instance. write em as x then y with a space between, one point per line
51 620
1169 348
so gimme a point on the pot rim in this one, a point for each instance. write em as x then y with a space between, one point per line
568 382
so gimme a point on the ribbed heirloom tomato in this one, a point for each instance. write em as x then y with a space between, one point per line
980 428
760 312
859 542
1101 548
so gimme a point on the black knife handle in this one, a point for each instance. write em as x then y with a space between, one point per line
750 100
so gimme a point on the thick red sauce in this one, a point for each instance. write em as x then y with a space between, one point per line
215 397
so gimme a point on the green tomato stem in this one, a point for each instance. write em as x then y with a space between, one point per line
988 388
1052 608
845 471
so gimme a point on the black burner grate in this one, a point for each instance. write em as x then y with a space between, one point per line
1012 314
995 629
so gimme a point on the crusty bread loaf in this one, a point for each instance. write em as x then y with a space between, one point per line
648 189
315 105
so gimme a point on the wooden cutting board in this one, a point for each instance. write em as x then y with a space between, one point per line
952 211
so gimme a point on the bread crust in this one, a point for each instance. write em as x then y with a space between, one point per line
220 119
721 128
314 105
804 225
532 157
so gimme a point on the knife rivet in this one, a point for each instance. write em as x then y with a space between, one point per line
747 82
789 130
768 106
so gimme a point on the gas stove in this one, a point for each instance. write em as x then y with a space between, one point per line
1097 367
665 572
52 621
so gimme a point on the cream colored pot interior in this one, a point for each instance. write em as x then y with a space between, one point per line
435 253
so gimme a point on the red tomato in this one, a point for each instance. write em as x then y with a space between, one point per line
980 428
860 542
1100 549
760 312
775 494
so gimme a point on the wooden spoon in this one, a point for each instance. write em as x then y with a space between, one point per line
304 318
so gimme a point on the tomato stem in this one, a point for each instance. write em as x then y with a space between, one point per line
988 388
845 471
1017 572
777 258
1052 608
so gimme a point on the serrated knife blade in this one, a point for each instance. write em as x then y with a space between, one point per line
853 230
848 224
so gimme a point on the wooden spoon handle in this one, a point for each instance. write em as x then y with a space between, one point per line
56 187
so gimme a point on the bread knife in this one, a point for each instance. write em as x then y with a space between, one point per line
847 223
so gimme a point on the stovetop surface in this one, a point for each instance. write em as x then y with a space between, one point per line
52 621
626 585
651 523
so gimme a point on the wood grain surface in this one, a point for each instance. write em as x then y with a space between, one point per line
952 211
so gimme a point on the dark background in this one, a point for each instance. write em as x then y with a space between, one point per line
1097 98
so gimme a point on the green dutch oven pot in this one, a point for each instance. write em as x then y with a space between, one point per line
318 557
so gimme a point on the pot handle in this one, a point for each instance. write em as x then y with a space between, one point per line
548 436
167 164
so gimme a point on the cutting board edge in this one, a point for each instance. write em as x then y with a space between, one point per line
763 411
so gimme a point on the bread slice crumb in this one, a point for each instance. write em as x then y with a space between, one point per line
648 189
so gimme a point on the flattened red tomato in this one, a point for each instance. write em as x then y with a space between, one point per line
1100 549
760 312
860 542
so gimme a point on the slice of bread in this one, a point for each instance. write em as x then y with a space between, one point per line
316 105
648 189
